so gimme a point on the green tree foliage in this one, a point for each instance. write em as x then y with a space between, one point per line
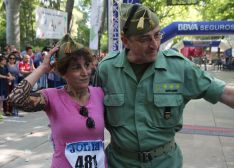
168 14
86 3
83 27
27 22
206 10
2 25
229 11
83 33
104 42
53 4
216 10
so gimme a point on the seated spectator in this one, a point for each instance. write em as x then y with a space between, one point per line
24 67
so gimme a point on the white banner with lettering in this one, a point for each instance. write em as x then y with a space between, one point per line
50 24
96 20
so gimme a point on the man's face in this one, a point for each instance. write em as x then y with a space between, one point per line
27 59
143 48
29 52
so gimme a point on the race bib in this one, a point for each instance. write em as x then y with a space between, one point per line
85 154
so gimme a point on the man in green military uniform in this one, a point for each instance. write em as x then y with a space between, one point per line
146 91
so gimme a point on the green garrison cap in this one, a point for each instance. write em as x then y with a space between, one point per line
142 19
66 46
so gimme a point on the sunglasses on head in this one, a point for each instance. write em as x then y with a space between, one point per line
90 123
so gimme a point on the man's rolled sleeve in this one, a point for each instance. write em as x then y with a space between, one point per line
214 91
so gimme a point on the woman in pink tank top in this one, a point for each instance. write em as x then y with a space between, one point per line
75 112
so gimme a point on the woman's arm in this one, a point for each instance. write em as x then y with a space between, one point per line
3 76
8 76
25 72
23 99
21 95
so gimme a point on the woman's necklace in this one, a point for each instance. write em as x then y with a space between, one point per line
81 98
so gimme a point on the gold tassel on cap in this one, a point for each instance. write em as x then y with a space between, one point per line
67 48
151 21
140 24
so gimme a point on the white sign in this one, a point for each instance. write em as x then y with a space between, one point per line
86 154
50 24
96 20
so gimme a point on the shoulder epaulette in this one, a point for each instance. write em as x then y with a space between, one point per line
172 53
110 55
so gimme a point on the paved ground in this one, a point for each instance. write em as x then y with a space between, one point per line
207 139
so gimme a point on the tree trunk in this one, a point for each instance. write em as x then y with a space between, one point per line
12 22
69 8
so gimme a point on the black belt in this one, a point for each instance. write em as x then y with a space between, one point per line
145 156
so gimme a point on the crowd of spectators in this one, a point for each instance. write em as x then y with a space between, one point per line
15 65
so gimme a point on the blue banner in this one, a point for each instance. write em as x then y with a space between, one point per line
201 43
131 1
197 28
228 52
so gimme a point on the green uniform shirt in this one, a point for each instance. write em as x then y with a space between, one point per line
137 112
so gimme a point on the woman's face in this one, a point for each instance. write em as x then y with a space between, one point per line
3 62
11 59
78 74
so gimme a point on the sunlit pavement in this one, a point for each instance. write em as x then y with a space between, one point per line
207 139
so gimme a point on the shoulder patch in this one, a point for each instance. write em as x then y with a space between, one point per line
172 53
110 55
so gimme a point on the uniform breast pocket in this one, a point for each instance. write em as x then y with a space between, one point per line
115 109
169 108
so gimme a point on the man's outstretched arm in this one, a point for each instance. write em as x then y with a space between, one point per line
227 96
